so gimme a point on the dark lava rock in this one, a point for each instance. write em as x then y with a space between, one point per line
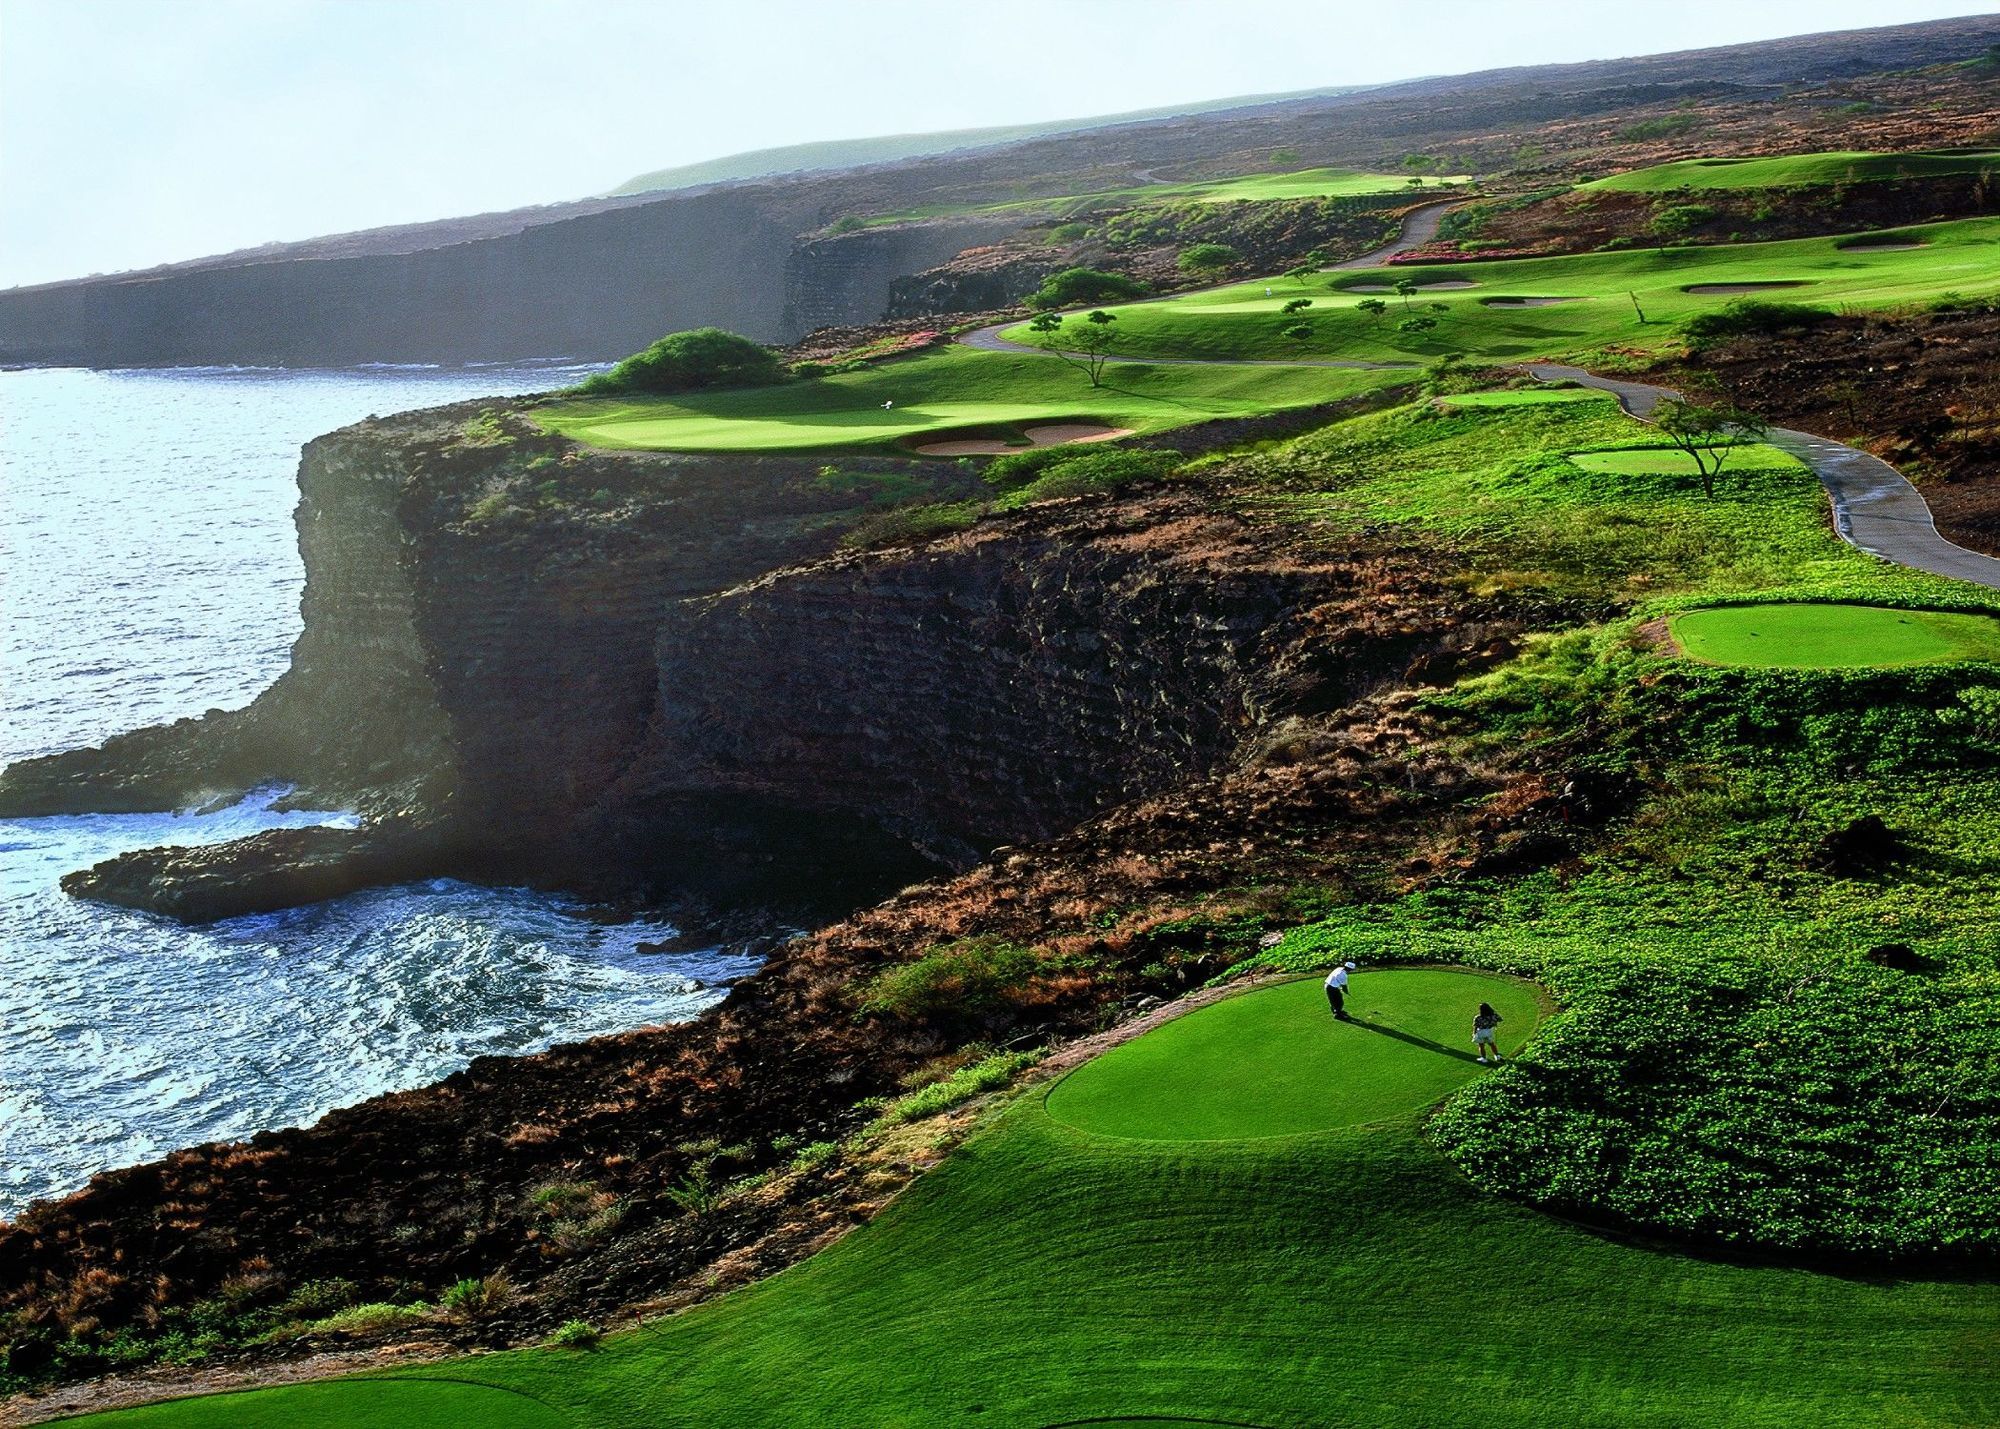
280 868
1862 846
1900 957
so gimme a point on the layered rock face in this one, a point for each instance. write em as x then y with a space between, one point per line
992 688
650 675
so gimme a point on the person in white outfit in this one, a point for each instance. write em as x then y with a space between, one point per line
1336 990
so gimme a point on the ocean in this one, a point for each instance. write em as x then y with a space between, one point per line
149 571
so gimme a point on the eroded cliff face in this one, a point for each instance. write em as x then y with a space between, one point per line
647 675
992 688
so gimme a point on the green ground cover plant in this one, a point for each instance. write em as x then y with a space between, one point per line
1798 170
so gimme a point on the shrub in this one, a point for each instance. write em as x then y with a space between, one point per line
701 358
1206 258
696 1192
574 1214
969 978
847 223
477 1299
989 1074
316 1298
1075 286
576 1335
1069 232
1746 316
816 1153
374 1318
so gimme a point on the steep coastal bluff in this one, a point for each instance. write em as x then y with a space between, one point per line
654 675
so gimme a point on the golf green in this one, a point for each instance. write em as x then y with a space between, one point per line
1828 636
1276 1063
1671 461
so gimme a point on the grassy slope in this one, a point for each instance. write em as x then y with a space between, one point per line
1241 321
1047 1274
1834 635
1796 169
942 392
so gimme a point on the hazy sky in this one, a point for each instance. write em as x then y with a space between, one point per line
134 132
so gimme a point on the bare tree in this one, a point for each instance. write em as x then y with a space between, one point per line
1708 433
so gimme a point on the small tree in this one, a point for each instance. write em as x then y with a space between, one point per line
1091 340
1296 305
1707 432
1677 222
1374 307
1204 259
1302 272
700 358
1405 289
1297 332
1416 327
1073 286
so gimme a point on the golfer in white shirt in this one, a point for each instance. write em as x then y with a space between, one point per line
1336 990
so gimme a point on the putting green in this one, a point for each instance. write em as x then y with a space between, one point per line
1671 461
1276 1063
1830 636
351 1404
1526 397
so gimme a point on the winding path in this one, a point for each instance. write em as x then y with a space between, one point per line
1875 508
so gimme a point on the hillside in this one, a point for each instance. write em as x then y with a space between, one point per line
890 148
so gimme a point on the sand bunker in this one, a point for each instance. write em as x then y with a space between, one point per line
1529 302
1421 287
1718 289
1049 434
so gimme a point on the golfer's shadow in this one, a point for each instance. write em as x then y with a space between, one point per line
1412 1039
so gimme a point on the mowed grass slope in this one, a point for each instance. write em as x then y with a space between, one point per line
944 392
1046 1275
1789 170
1246 321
